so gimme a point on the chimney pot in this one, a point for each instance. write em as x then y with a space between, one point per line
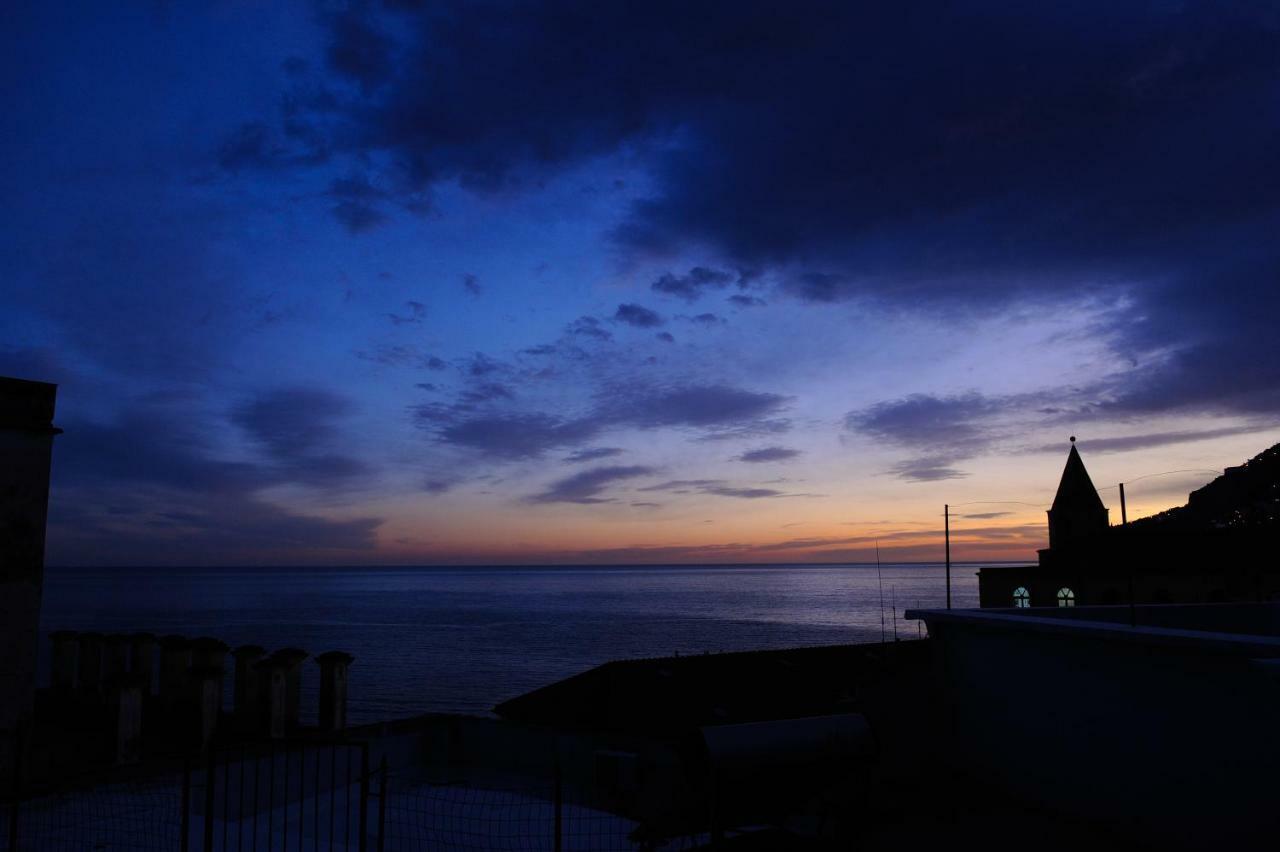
291 659
175 664
115 657
207 684
142 653
65 654
333 689
89 670
248 698
272 677
129 692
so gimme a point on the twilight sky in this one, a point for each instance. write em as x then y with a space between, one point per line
399 282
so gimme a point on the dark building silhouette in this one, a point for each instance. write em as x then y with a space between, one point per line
1219 547
26 446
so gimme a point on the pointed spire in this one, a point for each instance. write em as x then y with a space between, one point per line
1077 509
1076 487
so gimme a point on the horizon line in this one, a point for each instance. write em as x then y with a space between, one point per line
518 565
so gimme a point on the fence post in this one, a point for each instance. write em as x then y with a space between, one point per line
717 833
558 840
382 803
364 797
185 843
18 746
210 777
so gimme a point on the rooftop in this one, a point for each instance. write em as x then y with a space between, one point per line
1251 629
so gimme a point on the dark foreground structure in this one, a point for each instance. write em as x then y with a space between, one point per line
1157 723
26 445
1060 727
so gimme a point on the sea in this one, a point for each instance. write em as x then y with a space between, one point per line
461 640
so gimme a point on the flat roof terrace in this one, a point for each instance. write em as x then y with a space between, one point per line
1247 628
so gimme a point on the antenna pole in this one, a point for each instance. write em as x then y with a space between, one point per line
880 584
946 521
1124 514
893 594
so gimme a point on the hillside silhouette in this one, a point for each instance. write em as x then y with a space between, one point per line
1243 498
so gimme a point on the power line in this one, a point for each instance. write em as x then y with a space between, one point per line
1161 473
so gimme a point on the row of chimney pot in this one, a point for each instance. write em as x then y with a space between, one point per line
267 687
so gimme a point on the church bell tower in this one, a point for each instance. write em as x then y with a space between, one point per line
1077 511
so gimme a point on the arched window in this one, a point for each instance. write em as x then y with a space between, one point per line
1021 597
1066 597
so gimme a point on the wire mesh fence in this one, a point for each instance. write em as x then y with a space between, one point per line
522 815
141 816
317 796
304 796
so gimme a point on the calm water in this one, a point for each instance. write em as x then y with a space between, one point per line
463 639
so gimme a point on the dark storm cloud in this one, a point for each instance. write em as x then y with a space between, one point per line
356 202
943 430
471 284
717 488
693 284
742 301
706 320
927 469
768 454
415 313
665 337
927 156
250 146
744 493
1128 443
638 316
485 392
482 365
152 466
244 531
924 421
510 436
297 429
710 406
712 410
148 448
593 453
589 327
291 421
400 355
358 49
585 487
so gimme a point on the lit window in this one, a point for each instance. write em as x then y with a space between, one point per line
1021 597
1066 597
